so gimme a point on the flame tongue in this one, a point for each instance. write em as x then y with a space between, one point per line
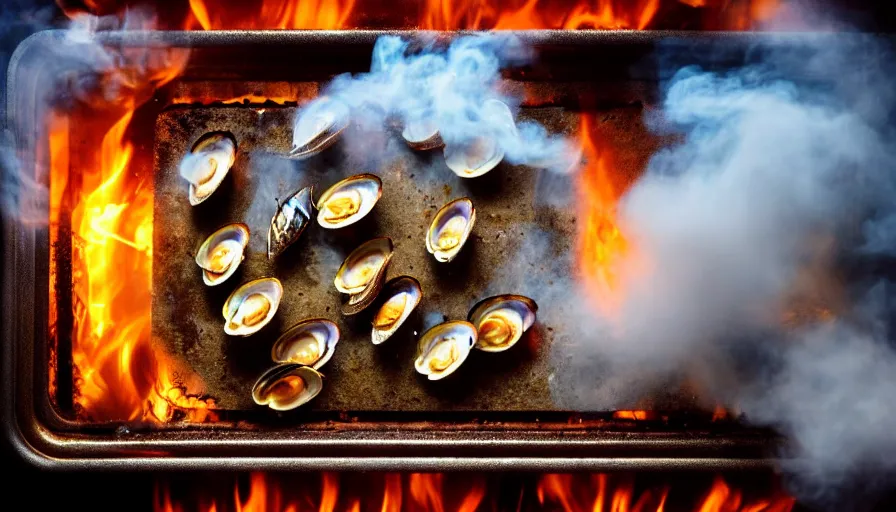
435 492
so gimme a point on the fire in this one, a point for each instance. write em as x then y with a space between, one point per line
434 492
722 498
120 374
271 14
606 256
470 14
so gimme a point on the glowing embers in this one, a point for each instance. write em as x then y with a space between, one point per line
251 306
442 349
207 164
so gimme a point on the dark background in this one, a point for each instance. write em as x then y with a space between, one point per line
43 490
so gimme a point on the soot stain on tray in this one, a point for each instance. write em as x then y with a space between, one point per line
360 376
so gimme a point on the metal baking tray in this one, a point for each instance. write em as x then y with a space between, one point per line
356 431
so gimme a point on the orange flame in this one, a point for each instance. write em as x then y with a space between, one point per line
573 495
120 373
465 14
272 14
537 14
606 256
267 492
434 493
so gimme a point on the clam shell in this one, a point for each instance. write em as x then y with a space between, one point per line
480 154
450 229
511 316
309 342
442 349
422 135
228 246
362 273
290 220
473 158
287 386
317 126
348 201
207 164
251 300
403 294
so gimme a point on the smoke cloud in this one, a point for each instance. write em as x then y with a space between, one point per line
78 67
763 233
452 89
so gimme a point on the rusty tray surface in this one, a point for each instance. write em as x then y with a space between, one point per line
525 436
361 376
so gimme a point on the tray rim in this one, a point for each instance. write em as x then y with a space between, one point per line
43 438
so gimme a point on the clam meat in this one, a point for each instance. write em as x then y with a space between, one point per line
501 321
403 294
362 273
422 135
348 201
287 386
309 342
444 348
251 306
221 253
207 164
450 229
317 126
289 221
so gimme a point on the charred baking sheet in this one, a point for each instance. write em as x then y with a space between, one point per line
516 207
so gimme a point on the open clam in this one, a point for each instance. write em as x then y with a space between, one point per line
422 135
480 154
362 273
450 229
475 157
287 386
207 164
251 306
317 126
444 348
501 321
348 201
290 221
403 294
309 342
221 253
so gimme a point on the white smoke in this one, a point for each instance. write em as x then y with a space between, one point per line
449 88
82 68
781 189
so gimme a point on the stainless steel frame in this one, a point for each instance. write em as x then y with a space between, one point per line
44 438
